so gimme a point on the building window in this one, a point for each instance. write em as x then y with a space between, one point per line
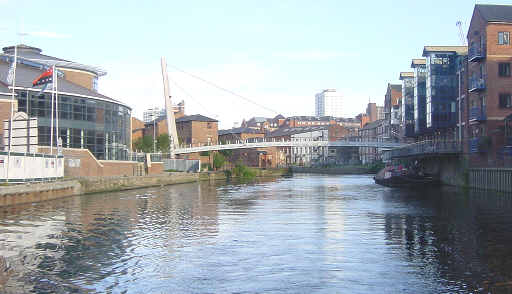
504 69
505 101
209 125
503 38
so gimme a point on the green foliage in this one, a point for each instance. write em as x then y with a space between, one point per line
206 166
204 153
244 172
226 153
218 160
144 144
163 143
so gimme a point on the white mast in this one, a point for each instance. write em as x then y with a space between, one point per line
13 85
171 123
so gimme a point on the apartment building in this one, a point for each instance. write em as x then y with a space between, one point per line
442 89
490 83
407 107
329 103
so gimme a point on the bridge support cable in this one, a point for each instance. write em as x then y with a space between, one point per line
224 89
173 82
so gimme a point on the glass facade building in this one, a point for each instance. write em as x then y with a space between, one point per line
86 118
441 91
407 104
420 75
102 127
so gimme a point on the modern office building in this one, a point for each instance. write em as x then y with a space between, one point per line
329 103
420 75
87 119
152 113
490 83
442 88
407 118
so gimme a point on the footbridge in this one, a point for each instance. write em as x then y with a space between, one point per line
263 144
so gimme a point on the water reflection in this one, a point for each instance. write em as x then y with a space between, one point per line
309 233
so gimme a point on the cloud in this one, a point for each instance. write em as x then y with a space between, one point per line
314 55
52 35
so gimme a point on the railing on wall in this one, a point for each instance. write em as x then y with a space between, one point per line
497 179
429 147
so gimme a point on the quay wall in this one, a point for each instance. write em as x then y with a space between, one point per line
332 171
37 192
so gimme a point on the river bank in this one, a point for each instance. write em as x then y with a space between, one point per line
37 192
348 170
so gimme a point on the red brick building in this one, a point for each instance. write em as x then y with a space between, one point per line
239 134
490 83
197 130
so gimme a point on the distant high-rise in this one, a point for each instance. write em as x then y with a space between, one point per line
152 114
328 103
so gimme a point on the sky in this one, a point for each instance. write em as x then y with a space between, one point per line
278 53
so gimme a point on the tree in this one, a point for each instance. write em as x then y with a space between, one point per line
144 144
163 143
218 160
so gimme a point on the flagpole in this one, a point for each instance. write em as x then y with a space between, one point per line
13 85
55 80
51 119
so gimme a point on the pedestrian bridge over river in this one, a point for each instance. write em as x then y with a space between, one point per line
302 143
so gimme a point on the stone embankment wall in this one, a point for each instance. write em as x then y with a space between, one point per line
36 192
352 170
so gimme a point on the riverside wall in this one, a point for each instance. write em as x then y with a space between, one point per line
37 192
351 170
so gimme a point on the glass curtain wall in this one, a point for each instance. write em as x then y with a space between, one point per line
408 106
100 126
420 72
441 90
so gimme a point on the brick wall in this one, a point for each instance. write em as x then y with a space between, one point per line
82 163
5 111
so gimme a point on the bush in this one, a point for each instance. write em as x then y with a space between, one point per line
244 172
218 160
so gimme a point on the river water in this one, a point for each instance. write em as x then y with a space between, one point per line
306 234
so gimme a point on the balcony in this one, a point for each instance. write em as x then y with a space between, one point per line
477 114
476 54
477 84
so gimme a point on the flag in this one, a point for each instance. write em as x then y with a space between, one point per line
10 74
45 78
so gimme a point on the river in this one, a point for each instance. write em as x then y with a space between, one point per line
305 234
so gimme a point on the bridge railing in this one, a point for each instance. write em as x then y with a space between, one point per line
426 148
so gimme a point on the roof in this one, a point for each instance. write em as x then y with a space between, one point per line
33 55
495 13
26 74
418 61
396 87
195 117
373 124
461 50
405 75
240 130
293 131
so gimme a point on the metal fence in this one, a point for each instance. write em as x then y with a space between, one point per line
429 147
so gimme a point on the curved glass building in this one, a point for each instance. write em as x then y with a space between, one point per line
87 119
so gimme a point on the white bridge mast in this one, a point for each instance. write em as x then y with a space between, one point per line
171 123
